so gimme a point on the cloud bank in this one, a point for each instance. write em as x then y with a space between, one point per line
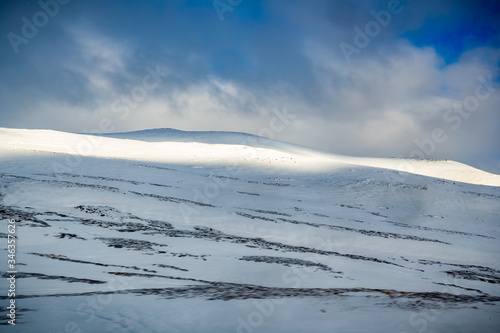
366 78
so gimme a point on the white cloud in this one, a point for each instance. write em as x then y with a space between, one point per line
98 58
375 106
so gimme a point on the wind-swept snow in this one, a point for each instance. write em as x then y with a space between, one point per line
171 231
174 146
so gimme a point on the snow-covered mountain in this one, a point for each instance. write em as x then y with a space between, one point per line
172 231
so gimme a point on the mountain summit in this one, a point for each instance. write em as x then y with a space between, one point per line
181 147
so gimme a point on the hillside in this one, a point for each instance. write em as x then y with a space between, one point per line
172 231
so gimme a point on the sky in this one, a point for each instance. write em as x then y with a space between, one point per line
363 78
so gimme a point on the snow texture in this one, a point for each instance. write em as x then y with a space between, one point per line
172 231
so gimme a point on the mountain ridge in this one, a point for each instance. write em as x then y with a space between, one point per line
176 146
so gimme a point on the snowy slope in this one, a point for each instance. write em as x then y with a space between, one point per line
171 231
174 146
